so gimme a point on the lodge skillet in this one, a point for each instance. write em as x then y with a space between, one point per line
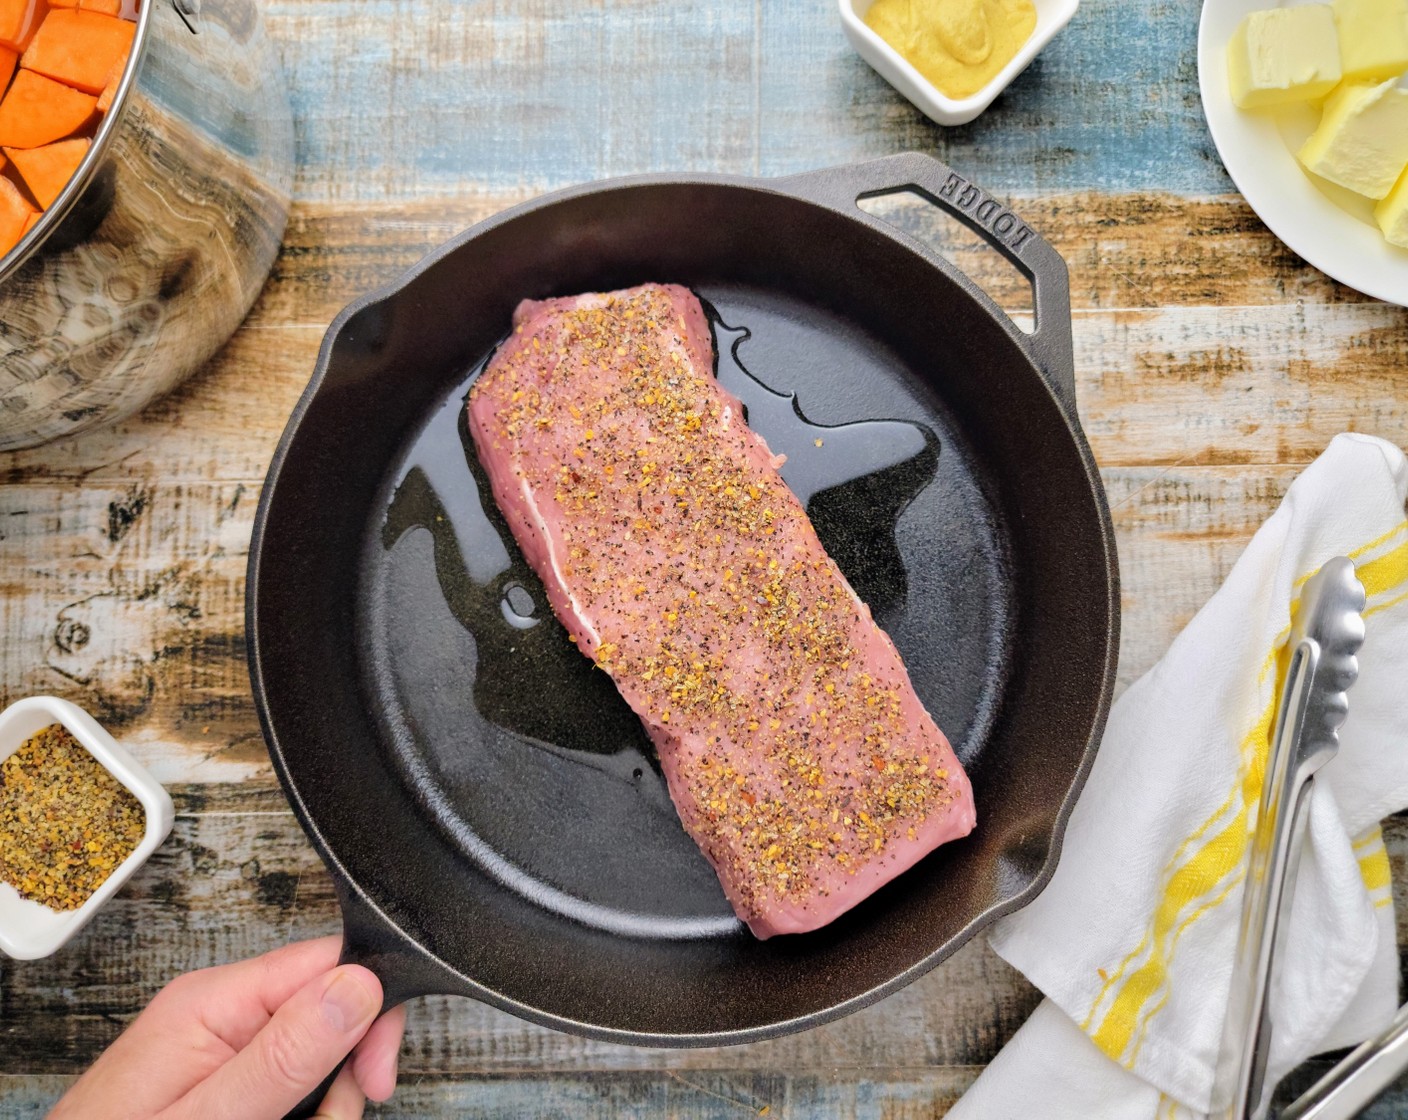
487 805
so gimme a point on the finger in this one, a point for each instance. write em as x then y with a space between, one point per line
345 1100
274 977
284 1062
278 973
234 1001
377 1054
269 982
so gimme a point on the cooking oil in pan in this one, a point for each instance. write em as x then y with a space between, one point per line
525 755
854 478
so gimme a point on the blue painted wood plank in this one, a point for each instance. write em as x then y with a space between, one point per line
647 1095
910 1094
29 1098
1111 104
396 100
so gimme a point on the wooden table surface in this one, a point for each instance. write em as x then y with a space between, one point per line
1212 365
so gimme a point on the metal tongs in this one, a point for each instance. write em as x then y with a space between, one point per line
1326 633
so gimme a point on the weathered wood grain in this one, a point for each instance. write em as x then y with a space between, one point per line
1199 350
1131 251
842 1094
718 1095
715 1095
837 1094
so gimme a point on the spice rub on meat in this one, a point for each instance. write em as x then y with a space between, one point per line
796 751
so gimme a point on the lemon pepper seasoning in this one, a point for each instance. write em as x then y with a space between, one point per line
65 822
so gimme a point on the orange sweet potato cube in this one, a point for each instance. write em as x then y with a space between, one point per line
19 19
79 47
110 86
38 111
9 59
15 215
107 7
47 170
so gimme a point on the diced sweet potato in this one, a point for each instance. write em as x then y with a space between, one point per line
63 3
79 47
107 7
38 111
110 86
19 19
15 215
9 59
47 170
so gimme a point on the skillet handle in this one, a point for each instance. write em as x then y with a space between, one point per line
405 970
1049 346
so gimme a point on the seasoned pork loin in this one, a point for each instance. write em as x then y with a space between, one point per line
796 751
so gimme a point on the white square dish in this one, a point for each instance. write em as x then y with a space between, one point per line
30 930
1051 17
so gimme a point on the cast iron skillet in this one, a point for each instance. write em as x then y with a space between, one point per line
486 804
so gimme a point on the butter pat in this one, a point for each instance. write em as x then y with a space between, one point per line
1373 38
1284 55
1392 213
1362 141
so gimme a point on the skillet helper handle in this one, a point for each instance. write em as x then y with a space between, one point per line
1049 345
370 939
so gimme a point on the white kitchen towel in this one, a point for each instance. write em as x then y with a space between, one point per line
1134 939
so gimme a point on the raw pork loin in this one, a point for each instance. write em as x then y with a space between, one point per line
795 749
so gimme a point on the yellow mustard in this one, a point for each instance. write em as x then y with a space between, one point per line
958 45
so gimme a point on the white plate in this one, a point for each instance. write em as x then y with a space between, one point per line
29 930
1258 149
1051 16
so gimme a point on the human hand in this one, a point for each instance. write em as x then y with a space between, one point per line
248 1041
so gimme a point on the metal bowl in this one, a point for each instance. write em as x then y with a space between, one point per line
152 255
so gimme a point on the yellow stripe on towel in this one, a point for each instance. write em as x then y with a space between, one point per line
1373 862
1188 882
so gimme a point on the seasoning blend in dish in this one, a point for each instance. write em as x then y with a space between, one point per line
65 822
958 46
78 816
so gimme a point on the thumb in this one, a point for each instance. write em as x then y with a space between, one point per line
290 1056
